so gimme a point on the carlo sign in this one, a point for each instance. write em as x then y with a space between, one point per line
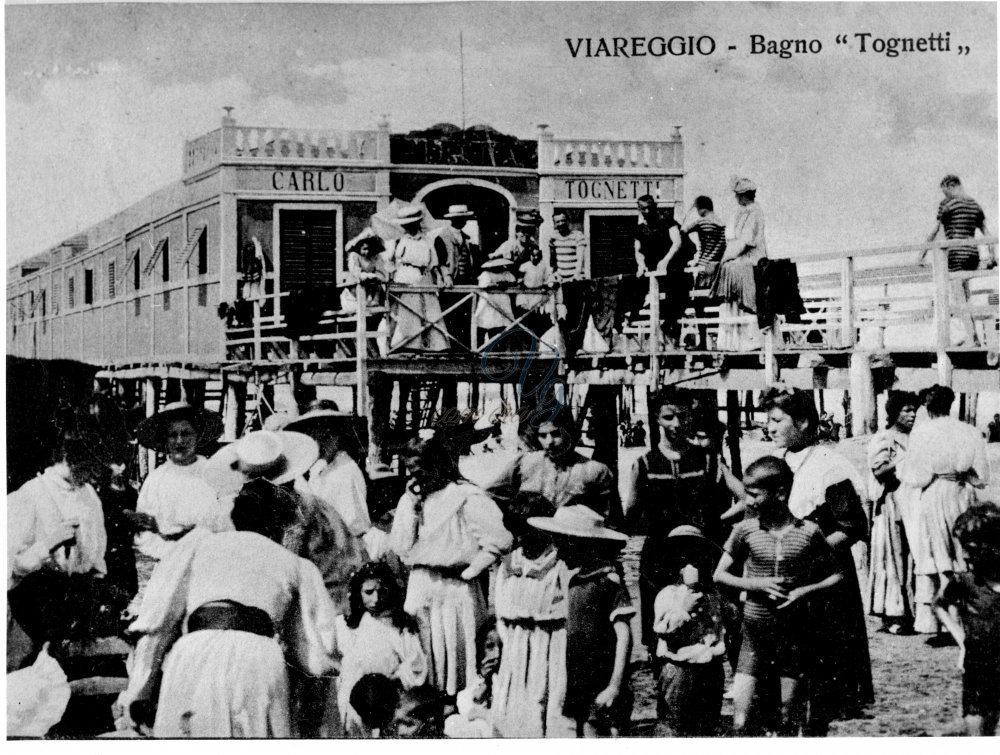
306 181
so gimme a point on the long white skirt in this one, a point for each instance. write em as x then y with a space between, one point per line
449 612
224 683
941 502
530 686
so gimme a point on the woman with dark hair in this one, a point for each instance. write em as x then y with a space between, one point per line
829 491
376 637
56 547
890 577
946 462
557 472
735 282
449 532
250 609
668 487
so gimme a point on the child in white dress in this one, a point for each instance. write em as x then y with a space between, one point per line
531 595
376 637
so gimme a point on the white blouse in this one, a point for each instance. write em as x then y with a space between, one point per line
36 510
179 498
377 647
340 485
460 525
944 445
244 567
816 469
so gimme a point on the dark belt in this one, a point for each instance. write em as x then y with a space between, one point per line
451 572
233 616
549 625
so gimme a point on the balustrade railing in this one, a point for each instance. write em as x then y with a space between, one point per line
275 142
583 154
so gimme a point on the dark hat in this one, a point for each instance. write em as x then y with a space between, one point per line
531 218
152 430
320 412
950 179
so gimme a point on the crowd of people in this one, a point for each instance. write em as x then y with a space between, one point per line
276 607
688 256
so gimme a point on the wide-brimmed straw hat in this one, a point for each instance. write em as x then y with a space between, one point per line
743 185
151 432
320 412
577 521
366 240
277 457
409 215
458 211
495 263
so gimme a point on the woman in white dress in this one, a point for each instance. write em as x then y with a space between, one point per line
225 613
495 313
449 532
735 282
890 577
174 498
376 636
415 263
946 462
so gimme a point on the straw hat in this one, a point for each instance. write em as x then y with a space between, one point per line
151 432
409 215
743 185
320 412
577 521
365 242
530 217
278 457
496 263
459 211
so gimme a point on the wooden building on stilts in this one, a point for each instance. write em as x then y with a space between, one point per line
223 288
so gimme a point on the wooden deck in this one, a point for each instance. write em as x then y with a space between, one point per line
876 302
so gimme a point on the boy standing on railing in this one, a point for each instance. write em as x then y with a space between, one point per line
959 215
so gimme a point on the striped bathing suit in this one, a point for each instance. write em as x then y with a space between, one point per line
960 217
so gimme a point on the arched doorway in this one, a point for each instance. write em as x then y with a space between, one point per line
490 203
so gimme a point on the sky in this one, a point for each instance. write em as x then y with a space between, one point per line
847 148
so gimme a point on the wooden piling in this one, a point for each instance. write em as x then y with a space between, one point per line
864 417
233 407
733 432
152 397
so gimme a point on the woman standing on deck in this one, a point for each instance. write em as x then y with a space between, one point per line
735 282
890 579
827 490
416 263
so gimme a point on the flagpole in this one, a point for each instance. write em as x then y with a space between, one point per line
461 63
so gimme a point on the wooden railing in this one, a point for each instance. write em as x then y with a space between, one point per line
848 297
345 332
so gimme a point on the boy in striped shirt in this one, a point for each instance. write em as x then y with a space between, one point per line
959 215
778 561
